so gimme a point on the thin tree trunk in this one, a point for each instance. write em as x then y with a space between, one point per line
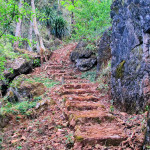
30 36
58 4
72 19
18 27
38 36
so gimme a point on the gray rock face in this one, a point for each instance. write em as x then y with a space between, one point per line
104 50
19 66
130 45
84 59
79 54
85 64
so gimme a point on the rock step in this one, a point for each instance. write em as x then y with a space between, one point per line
75 81
54 64
70 77
59 74
56 71
82 105
56 67
76 91
108 135
82 98
78 86
86 116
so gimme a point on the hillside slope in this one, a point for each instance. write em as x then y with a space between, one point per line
74 115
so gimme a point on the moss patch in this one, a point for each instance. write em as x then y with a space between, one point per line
120 70
79 138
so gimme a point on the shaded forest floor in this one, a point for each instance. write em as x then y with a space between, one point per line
74 115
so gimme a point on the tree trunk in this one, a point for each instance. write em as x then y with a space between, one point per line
58 5
30 36
38 36
72 19
18 27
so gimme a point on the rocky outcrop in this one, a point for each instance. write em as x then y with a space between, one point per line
15 68
83 57
130 45
104 50
24 88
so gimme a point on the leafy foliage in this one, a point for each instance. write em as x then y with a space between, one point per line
10 12
54 21
18 108
91 17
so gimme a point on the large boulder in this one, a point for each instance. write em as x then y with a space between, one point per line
14 68
4 119
83 57
79 54
130 45
85 64
81 44
18 66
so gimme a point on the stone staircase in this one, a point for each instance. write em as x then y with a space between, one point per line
85 108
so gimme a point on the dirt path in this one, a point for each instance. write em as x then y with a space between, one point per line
81 116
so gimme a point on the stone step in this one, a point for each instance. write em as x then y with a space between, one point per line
83 105
59 74
75 81
108 135
82 98
78 86
55 67
76 91
70 77
56 71
86 116
54 64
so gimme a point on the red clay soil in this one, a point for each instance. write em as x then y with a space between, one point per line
77 116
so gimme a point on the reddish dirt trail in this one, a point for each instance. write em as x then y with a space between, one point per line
85 108
84 113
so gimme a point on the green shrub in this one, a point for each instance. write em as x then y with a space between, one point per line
18 108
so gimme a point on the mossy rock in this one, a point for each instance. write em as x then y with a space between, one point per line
4 119
23 88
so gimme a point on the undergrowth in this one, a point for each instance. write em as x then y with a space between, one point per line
46 81
18 108
22 108
104 77
89 75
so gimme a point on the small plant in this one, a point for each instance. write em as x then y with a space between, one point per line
19 147
111 108
69 140
38 98
90 75
147 108
36 62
